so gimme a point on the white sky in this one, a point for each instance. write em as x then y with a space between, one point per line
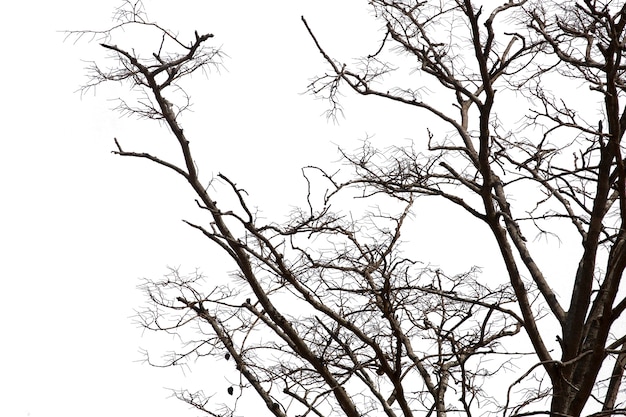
79 226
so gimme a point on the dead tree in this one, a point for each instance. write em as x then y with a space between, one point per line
327 315
562 150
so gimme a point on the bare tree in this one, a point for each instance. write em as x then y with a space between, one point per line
327 315
575 164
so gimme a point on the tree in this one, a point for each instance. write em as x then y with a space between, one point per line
328 315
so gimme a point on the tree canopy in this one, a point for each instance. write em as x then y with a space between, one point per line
519 124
